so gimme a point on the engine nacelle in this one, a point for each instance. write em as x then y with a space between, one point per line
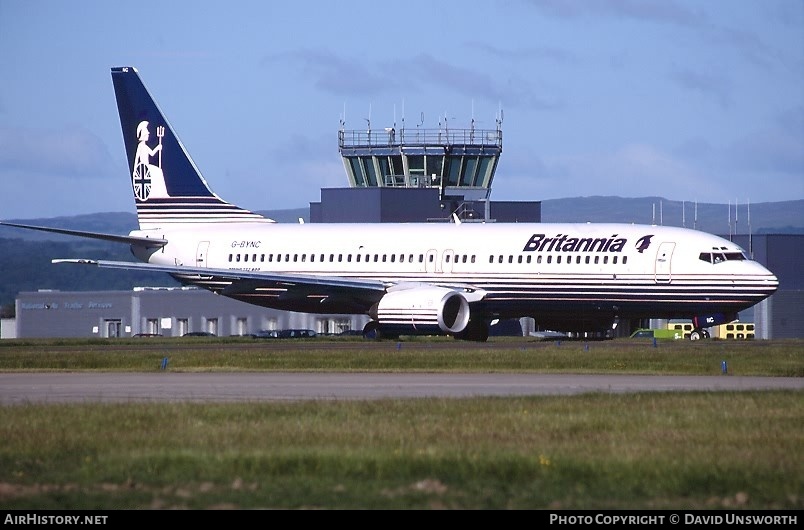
422 310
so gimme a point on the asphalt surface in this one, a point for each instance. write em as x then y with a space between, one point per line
83 387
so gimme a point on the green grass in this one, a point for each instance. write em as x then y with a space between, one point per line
688 450
772 358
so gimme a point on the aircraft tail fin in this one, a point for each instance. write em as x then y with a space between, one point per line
168 187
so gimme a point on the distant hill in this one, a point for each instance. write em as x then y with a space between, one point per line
26 266
765 217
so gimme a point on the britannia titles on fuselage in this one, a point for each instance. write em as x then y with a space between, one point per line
565 243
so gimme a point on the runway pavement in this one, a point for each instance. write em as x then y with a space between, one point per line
21 388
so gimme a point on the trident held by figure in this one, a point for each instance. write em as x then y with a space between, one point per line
160 132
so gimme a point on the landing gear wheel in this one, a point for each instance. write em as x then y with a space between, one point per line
371 331
698 334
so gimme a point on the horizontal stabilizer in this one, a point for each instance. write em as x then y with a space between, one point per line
151 242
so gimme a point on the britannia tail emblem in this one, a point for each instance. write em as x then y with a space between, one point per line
147 179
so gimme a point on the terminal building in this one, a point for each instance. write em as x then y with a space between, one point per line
421 175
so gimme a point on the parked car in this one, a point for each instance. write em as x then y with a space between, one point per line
199 334
296 333
266 334
351 333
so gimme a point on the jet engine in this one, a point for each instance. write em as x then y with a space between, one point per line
421 310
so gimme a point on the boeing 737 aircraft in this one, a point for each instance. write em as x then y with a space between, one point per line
416 278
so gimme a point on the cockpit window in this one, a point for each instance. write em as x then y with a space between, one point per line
718 257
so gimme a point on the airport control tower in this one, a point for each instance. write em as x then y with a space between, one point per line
457 161
419 175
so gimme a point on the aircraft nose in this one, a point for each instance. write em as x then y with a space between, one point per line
770 280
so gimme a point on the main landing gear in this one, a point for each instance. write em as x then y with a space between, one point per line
699 333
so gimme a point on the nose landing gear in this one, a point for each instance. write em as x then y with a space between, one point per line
699 333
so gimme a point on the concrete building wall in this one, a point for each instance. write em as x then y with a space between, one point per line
166 311
8 328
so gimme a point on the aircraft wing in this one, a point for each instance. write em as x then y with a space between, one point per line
233 274
242 283
283 288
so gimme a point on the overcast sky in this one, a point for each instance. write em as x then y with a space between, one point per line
694 100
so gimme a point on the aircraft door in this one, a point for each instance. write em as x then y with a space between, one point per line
446 261
201 254
663 260
431 262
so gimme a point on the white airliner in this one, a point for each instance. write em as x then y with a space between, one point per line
416 278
